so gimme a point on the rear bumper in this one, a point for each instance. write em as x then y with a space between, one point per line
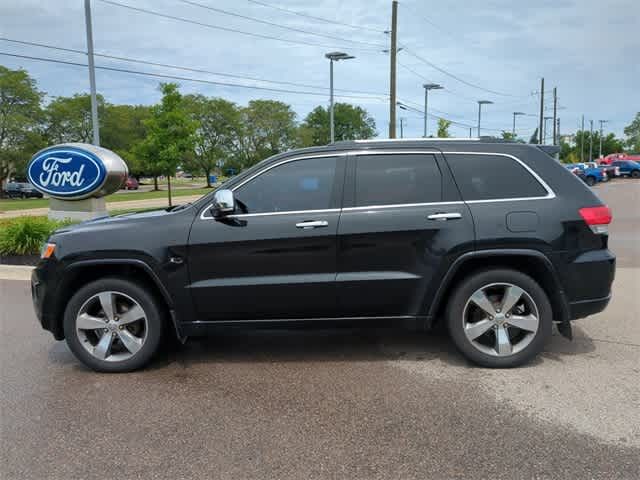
584 308
588 281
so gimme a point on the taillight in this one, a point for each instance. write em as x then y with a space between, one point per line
598 218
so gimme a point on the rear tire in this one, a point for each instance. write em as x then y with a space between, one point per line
509 338
132 330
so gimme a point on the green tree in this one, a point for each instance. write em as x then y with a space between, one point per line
218 123
68 119
351 123
509 136
632 131
20 121
443 128
170 135
267 127
122 128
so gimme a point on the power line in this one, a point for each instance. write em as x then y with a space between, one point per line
176 77
305 15
188 69
446 89
226 29
455 77
278 25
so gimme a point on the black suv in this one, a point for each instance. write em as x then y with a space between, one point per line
497 240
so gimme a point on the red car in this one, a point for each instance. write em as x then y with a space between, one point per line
619 156
130 184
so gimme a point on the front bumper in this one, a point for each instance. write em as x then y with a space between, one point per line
42 280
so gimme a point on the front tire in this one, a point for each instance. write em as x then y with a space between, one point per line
113 325
499 318
591 181
635 174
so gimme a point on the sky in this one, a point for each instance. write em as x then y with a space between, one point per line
494 50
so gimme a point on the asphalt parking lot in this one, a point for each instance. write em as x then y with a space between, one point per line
345 403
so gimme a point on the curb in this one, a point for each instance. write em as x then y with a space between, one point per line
15 272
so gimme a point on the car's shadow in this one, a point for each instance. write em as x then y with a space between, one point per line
341 344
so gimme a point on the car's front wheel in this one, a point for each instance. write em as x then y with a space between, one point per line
591 181
499 318
113 325
635 174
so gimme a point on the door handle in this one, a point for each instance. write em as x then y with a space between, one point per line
312 224
443 217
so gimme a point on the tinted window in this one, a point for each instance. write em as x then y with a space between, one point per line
397 179
298 185
488 177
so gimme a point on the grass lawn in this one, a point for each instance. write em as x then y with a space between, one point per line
18 204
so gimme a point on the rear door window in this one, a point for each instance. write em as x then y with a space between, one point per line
493 177
397 179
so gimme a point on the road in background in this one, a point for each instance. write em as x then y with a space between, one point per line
348 403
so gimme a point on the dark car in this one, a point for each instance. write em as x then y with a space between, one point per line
496 240
628 168
21 190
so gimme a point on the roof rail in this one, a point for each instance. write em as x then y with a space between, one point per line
419 139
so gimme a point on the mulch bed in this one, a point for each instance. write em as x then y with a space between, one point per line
29 260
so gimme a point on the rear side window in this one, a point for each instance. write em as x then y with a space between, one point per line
397 179
491 177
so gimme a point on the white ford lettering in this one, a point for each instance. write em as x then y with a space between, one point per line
52 175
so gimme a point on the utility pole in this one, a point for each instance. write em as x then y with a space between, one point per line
480 103
92 74
582 141
558 132
591 140
541 111
401 127
470 132
602 122
555 115
393 54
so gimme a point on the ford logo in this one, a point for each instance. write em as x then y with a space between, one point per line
76 171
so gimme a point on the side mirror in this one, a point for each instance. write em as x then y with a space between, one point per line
223 203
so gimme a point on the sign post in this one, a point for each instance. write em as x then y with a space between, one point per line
77 177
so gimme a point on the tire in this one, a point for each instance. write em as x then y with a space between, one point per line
591 181
143 335
635 174
525 344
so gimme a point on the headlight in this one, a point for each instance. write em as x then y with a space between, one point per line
47 250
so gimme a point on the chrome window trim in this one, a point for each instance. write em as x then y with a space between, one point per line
401 205
550 193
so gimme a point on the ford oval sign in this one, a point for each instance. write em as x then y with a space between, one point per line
76 171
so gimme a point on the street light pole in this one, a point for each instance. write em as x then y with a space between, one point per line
602 122
401 127
544 138
591 140
92 74
333 57
515 114
427 87
480 103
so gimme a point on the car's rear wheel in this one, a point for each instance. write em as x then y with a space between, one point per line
113 325
591 181
499 318
635 174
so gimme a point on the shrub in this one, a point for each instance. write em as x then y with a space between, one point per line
25 235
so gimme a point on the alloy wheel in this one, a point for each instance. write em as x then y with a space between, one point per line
111 326
500 319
